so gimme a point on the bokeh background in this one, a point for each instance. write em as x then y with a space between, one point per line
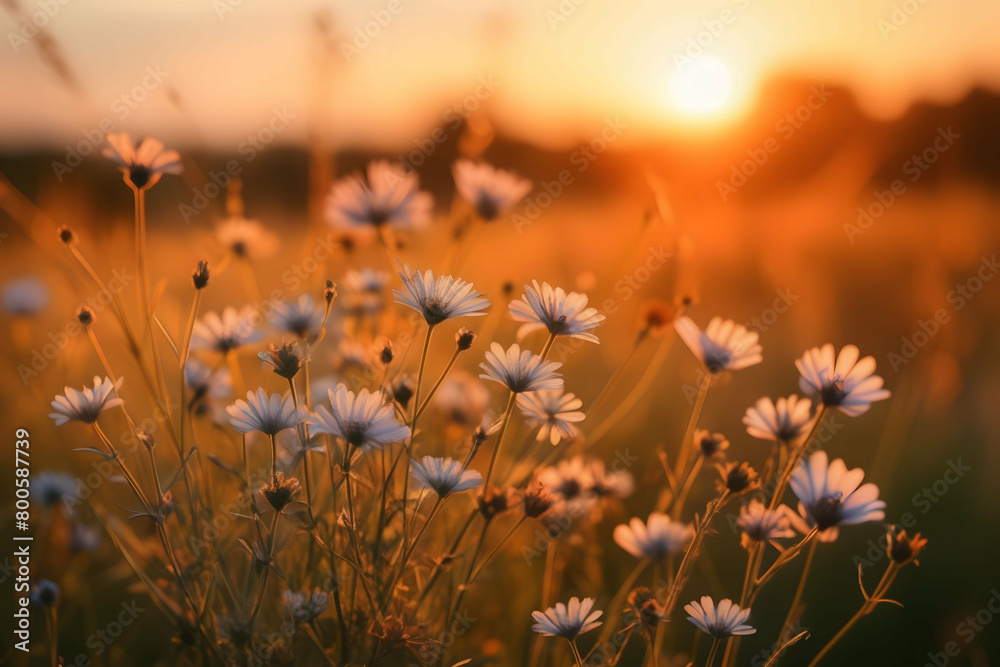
842 156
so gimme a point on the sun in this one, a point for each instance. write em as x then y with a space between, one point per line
701 87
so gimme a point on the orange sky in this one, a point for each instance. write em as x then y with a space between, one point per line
549 71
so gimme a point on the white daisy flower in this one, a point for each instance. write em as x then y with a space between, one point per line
141 167
85 406
228 332
554 411
304 608
444 476
363 290
726 620
658 538
848 384
205 381
562 314
760 524
25 296
364 420
461 398
490 191
300 317
267 414
786 420
520 371
246 238
569 621
439 298
53 488
830 495
569 479
390 197
724 345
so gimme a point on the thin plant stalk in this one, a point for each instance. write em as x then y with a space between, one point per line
800 589
503 429
866 608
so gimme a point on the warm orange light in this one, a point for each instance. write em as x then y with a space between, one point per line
701 87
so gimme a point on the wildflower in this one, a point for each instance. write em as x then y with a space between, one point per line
657 538
562 314
519 370
441 298
141 167
537 500
760 524
464 338
726 620
85 406
444 476
402 390
848 384
45 593
569 621
279 492
363 420
723 346
737 478
554 411
461 398
364 290
300 317
568 479
657 317
222 334
489 190
830 495
269 415
53 488
305 608
205 381
25 296
647 608
710 445
394 633
85 316
145 436
904 549
83 538
389 198
200 275
786 420
386 353
246 239
285 359
493 502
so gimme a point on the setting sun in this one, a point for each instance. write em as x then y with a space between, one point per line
701 87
